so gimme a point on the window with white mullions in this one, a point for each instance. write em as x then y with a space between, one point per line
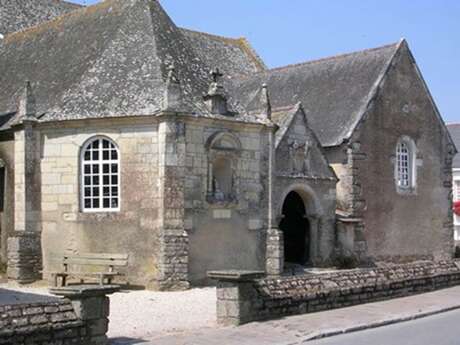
405 167
403 159
100 186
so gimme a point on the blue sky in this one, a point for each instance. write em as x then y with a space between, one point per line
290 31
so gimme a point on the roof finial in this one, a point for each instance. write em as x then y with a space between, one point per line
172 94
216 74
265 102
27 106
216 98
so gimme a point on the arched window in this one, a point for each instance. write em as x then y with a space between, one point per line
100 176
405 164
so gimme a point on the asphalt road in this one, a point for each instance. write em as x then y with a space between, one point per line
441 329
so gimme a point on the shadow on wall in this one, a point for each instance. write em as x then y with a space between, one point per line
126 341
10 297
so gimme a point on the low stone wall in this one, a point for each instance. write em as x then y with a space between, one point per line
243 300
40 323
79 319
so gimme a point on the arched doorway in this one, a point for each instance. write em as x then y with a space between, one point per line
296 230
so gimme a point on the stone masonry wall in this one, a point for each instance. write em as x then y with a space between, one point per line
40 324
241 302
218 230
7 214
132 230
80 319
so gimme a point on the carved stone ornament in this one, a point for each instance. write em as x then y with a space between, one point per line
299 157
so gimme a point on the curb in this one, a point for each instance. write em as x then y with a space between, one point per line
377 324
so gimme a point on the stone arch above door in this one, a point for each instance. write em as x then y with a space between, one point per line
313 216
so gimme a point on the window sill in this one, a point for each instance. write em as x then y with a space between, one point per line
221 201
101 211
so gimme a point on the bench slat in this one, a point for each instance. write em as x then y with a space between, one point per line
90 256
88 273
93 262
99 256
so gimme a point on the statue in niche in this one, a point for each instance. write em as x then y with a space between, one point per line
299 157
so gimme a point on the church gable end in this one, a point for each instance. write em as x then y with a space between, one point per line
298 151
403 154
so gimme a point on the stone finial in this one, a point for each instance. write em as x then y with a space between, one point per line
27 106
173 93
216 99
265 102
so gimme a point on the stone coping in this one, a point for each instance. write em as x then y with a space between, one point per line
84 290
236 275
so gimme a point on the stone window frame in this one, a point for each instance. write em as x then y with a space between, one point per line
100 162
231 153
405 159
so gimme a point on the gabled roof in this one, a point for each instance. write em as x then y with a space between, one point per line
334 91
17 15
284 118
454 130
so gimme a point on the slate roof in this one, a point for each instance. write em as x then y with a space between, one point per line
454 130
106 60
233 56
111 60
17 15
333 91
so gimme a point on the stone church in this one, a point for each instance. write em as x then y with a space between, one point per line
121 132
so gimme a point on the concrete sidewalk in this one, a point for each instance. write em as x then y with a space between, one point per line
299 329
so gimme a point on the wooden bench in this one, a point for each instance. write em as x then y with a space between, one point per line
105 263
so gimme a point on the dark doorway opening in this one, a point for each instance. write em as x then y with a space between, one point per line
296 230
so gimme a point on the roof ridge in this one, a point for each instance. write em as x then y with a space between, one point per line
73 4
242 42
47 23
211 35
332 57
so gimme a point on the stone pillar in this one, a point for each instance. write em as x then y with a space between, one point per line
24 257
92 306
236 296
24 247
174 242
274 254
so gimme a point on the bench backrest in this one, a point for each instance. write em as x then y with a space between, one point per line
93 259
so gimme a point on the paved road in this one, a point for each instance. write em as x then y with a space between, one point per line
441 329
299 329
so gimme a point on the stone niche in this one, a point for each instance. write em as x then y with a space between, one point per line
223 150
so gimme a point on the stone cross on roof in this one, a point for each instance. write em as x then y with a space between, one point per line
216 74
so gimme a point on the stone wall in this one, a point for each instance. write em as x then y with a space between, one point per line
41 323
7 214
132 230
416 223
80 319
217 229
246 301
